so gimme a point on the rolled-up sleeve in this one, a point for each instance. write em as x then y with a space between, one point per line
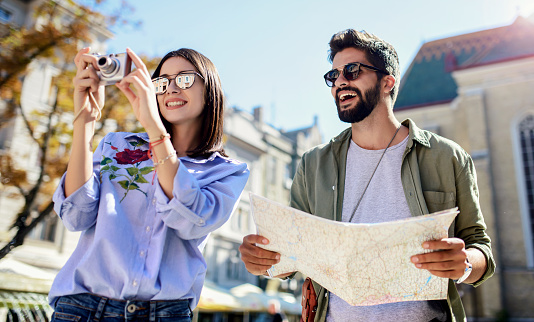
79 210
200 206
470 224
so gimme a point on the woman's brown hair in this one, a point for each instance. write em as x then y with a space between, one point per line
211 132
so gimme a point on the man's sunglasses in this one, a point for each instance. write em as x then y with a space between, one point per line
183 80
350 72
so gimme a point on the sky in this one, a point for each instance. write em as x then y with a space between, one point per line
274 53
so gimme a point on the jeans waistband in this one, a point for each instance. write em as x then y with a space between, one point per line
131 309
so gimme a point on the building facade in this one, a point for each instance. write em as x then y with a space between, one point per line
476 89
52 244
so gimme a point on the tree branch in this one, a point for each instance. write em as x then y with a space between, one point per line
28 60
18 239
27 123
43 146
21 190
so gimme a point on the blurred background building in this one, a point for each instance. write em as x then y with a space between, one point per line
477 89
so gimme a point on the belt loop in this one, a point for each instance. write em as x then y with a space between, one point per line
152 313
126 310
100 308
190 311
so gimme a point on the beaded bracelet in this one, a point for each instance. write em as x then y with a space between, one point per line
159 162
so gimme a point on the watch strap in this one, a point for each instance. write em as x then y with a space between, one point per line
467 272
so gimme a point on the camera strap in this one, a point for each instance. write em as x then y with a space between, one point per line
94 103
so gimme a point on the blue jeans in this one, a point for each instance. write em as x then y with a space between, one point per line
90 307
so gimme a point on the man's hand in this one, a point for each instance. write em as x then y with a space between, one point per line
258 260
448 259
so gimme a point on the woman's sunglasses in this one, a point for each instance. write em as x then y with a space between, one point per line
183 80
350 72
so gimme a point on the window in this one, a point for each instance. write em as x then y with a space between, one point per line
271 170
526 143
237 220
6 134
5 15
287 176
46 229
233 266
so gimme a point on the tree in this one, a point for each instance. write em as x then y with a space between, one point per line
56 36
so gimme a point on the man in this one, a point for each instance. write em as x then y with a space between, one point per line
381 170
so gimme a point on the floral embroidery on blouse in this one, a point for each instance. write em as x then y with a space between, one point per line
134 175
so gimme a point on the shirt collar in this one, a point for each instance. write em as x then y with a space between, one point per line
206 160
143 136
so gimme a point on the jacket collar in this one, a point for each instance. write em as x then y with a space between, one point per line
415 134
343 137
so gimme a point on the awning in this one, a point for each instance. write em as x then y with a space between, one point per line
244 298
214 298
18 276
255 299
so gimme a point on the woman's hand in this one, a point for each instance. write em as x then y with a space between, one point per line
87 81
143 100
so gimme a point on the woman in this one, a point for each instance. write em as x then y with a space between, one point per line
145 202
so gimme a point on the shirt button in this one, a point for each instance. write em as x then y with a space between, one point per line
201 221
134 283
147 229
142 253
153 201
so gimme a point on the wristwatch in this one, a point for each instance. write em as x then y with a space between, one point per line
467 272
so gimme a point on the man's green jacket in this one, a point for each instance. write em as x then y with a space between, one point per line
436 173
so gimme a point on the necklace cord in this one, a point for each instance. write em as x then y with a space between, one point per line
368 182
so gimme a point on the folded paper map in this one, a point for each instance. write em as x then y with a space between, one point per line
364 264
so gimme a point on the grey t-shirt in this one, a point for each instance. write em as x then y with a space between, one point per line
383 201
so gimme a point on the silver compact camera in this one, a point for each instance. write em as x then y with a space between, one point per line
113 67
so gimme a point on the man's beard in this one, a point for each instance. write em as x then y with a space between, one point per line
363 108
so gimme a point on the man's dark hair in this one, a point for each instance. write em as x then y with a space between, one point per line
380 53
211 131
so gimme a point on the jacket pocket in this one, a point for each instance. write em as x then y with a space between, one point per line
438 200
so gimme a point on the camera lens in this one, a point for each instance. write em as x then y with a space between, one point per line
107 65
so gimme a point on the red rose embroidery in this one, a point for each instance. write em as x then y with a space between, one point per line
130 156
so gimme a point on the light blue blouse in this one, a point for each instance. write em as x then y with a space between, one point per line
135 242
